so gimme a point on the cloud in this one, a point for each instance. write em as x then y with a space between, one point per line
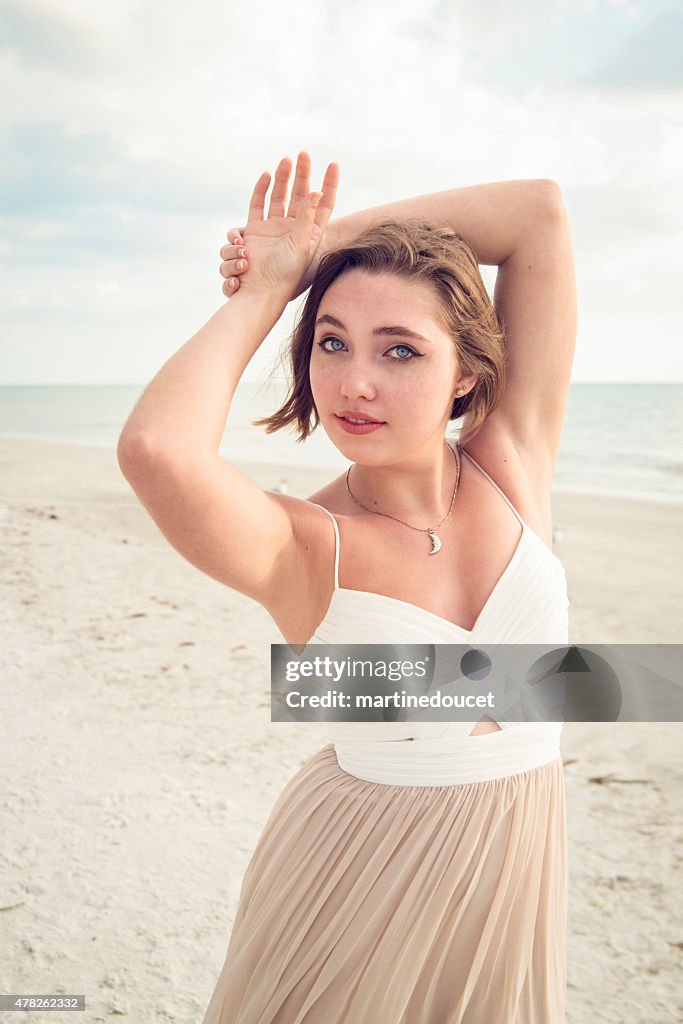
650 60
136 132
591 45
47 166
47 35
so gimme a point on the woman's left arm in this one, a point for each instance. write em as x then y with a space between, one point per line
522 228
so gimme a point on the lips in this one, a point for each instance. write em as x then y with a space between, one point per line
357 423
357 417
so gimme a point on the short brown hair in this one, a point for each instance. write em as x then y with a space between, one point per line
415 249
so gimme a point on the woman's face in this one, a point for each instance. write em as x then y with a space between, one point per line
380 351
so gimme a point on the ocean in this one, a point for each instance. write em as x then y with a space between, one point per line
622 440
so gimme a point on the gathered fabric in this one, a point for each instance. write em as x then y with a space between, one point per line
410 872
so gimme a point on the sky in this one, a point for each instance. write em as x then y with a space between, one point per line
132 133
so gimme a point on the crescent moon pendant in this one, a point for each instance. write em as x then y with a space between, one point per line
436 543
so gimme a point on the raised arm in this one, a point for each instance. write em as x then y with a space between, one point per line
521 227
213 514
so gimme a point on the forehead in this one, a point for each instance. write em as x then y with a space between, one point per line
362 294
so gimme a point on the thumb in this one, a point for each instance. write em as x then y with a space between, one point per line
305 217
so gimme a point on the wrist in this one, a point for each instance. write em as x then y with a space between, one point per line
270 302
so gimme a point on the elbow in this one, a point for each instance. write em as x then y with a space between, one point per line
549 198
135 454
148 460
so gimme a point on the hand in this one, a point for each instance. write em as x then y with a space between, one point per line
281 252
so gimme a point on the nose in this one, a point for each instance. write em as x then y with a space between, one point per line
357 382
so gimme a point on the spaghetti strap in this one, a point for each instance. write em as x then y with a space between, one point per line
336 543
503 495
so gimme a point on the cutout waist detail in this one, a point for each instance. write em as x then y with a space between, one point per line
452 761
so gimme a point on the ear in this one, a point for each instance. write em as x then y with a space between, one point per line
463 385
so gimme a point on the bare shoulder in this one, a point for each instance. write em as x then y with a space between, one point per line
524 476
303 513
308 521
304 584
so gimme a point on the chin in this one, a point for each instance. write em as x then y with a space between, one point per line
364 448
372 455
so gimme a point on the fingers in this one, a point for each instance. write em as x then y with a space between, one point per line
300 190
329 196
258 197
234 262
230 267
317 208
302 183
278 196
233 252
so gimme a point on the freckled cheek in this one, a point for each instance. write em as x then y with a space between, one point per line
422 395
326 378
319 380
324 388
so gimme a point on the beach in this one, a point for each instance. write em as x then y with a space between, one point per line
140 765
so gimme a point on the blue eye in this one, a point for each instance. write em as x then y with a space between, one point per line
322 343
406 348
404 353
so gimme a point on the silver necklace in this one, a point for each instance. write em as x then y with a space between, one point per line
431 530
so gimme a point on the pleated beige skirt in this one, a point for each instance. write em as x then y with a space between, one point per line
368 903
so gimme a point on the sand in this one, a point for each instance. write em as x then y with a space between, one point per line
139 764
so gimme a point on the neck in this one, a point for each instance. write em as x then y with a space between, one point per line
419 490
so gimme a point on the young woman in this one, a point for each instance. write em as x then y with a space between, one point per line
409 873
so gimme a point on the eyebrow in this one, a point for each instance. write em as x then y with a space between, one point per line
394 330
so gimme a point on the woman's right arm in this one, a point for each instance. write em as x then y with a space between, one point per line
213 514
